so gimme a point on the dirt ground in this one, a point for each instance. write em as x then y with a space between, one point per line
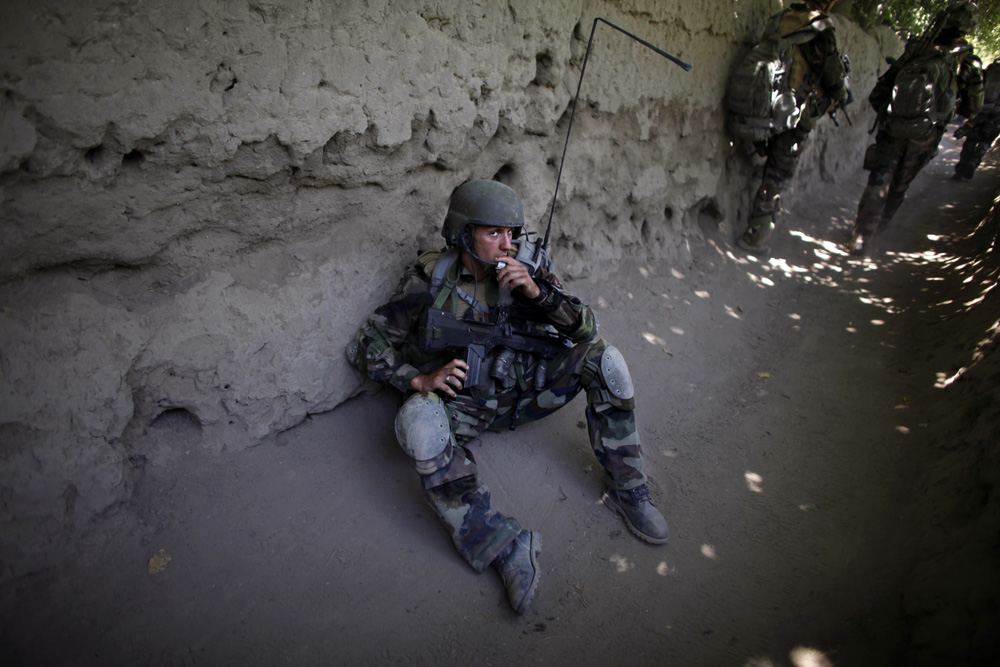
793 418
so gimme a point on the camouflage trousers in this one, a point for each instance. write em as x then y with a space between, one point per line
977 142
782 152
892 164
462 501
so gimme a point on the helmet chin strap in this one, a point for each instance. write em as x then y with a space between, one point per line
467 248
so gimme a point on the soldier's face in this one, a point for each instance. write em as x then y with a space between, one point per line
492 243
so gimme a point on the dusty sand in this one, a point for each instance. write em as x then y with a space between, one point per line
790 419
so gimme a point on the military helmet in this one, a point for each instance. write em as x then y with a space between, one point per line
481 202
825 5
961 16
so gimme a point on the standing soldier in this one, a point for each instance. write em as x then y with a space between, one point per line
477 340
915 99
980 135
812 83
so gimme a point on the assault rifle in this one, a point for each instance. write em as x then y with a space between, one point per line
847 100
444 331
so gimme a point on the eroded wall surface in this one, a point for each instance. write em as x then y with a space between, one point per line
202 199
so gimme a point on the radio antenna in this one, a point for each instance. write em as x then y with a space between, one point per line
583 69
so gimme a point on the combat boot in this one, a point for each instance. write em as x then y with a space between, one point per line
856 246
640 514
518 567
759 230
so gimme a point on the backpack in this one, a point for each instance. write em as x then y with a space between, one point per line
760 95
991 89
923 95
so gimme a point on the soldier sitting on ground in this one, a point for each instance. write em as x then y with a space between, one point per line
477 340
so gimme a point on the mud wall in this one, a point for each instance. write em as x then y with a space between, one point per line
201 199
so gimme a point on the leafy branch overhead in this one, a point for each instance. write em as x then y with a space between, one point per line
910 17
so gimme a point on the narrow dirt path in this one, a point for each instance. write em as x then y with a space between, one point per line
801 439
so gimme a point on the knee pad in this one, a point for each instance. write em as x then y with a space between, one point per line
611 382
424 432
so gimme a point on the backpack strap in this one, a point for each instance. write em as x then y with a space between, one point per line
444 282
444 276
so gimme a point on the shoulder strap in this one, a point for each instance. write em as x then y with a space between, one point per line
444 281
443 275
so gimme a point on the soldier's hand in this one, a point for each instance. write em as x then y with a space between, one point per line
446 379
517 277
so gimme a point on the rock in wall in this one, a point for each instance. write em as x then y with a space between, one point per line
202 200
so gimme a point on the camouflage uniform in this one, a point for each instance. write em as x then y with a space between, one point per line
980 135
818 79
894 161
387 349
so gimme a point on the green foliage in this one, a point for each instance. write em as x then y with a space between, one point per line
911 17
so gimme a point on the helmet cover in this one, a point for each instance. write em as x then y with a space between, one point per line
481 202
961 16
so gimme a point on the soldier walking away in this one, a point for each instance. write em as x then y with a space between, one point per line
983 131
937 76
775 97
482 336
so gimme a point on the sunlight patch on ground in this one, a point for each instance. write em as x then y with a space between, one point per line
732 313
800 656
809 657
827 270
754 481
665 570
980 298
708 551
621 563
788 269
982 347
653 339
761 279
923 258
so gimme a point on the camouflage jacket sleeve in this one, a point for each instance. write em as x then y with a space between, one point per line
570 316
385 347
